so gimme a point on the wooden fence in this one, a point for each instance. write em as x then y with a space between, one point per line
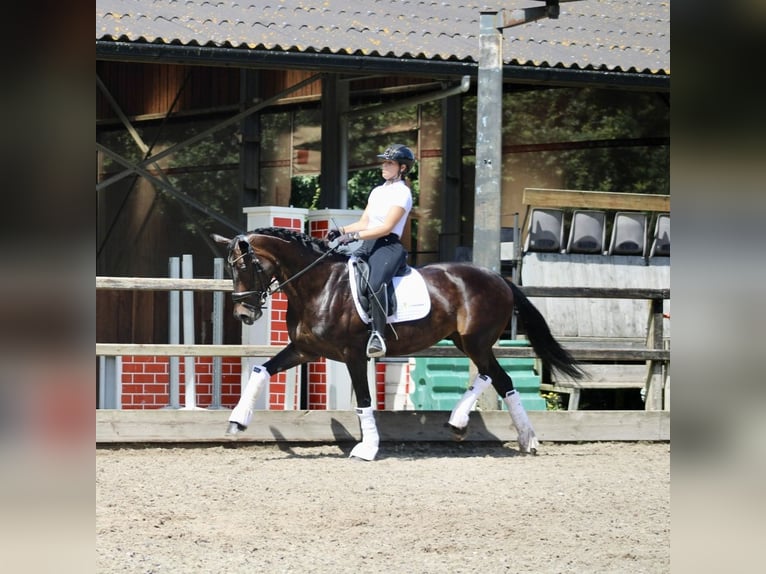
653 352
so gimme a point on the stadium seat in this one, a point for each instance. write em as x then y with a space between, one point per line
661 241
546 230
628 234
588 232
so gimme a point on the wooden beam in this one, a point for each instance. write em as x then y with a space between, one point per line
161 350
163 284
596 292
203 426
558 198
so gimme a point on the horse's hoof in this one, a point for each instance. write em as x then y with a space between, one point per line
364 451
528 444
458 434
235 428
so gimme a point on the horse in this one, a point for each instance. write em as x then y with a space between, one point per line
470 305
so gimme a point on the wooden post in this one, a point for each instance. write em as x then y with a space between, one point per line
654 390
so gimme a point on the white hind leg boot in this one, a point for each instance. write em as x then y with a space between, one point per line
459 416
527 439
243 412
368 448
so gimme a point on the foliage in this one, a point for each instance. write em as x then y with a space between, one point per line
553 401
592 139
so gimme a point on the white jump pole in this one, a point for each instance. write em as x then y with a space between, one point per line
190 395
174 335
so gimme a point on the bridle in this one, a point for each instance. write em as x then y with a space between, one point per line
259 279
264 285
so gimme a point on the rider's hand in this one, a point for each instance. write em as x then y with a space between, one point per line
347 238
332 234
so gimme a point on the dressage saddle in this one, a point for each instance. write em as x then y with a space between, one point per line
362 274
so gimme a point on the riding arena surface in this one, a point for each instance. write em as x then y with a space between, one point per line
419 508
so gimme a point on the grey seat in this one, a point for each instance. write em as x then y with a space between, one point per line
546 230
628 234
661 241
588 232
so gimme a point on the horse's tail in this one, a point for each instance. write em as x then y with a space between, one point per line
541 338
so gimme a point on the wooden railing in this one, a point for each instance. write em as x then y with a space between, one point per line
654 352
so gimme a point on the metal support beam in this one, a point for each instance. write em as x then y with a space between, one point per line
205 133
489 132
489 116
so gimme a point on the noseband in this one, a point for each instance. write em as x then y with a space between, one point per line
259 279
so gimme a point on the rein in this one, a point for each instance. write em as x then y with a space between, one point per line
301 272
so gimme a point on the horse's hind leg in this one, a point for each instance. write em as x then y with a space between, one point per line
458 420
490 372
504 386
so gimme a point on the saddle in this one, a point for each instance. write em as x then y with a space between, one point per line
362 275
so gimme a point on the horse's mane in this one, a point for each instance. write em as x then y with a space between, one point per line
295 236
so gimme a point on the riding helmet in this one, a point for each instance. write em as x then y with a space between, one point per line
399 153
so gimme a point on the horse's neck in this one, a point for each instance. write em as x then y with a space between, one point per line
302 275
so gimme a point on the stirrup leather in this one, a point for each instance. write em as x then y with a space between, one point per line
376 345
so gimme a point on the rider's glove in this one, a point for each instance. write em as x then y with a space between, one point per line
347 238
332 234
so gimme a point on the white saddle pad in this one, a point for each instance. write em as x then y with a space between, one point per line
412 300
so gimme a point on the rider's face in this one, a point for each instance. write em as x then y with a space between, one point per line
389 169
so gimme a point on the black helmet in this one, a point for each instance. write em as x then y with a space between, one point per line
399 153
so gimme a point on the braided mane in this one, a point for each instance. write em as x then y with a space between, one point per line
290 235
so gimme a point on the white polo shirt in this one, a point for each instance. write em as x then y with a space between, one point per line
385 196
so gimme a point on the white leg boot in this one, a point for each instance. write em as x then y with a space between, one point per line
527 439
459 416
368 448
242 414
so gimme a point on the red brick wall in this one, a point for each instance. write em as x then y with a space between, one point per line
380 386
146 381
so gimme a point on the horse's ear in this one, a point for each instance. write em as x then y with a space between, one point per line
219 239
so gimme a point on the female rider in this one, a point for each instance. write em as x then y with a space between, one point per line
380 227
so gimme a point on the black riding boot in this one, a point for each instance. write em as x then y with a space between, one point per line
376 346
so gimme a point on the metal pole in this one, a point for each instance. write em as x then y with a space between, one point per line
489 107
174 336
217 333
486 235
190 390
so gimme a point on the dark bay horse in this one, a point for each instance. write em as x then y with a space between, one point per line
470 305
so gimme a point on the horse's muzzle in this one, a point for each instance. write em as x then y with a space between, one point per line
247 313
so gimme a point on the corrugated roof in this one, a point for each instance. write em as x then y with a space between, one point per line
620 36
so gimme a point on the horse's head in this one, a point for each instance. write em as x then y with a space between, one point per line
250 275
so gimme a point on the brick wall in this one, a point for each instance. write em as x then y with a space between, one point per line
146 381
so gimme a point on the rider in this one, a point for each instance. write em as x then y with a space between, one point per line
381 227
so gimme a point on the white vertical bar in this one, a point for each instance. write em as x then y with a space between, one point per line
217 320
174 335
187 272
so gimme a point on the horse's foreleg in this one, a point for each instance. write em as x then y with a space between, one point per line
242 414
368 448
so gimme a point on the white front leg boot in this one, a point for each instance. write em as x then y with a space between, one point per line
242 414
526 434
459 416
368 448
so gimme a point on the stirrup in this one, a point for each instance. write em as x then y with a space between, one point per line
376 345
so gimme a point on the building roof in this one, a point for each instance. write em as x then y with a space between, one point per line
599 35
